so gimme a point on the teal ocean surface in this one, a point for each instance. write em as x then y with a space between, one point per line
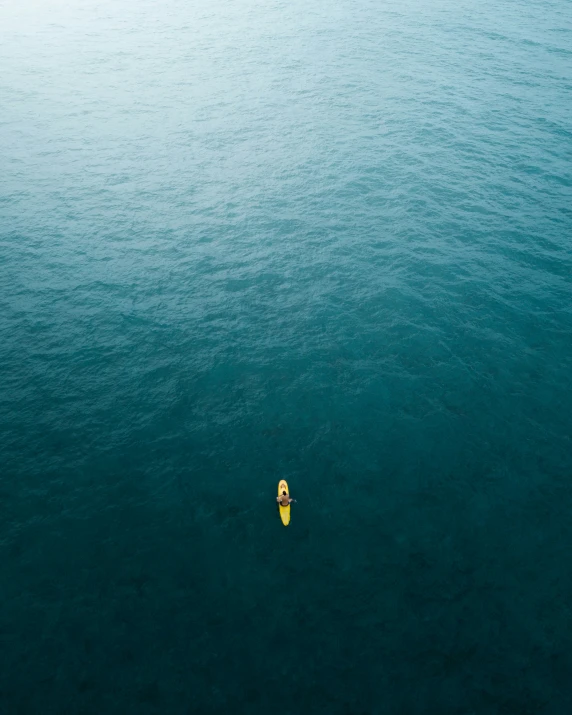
323 241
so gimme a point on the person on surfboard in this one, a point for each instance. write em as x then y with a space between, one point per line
284 499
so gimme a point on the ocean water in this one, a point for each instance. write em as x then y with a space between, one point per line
330 242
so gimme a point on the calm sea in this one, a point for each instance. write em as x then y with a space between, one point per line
323 241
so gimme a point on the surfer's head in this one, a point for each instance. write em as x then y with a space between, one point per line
283 493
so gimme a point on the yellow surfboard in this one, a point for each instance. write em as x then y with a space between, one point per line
284 510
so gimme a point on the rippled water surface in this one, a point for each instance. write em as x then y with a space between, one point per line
325 241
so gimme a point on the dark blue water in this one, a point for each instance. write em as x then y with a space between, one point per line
330 242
